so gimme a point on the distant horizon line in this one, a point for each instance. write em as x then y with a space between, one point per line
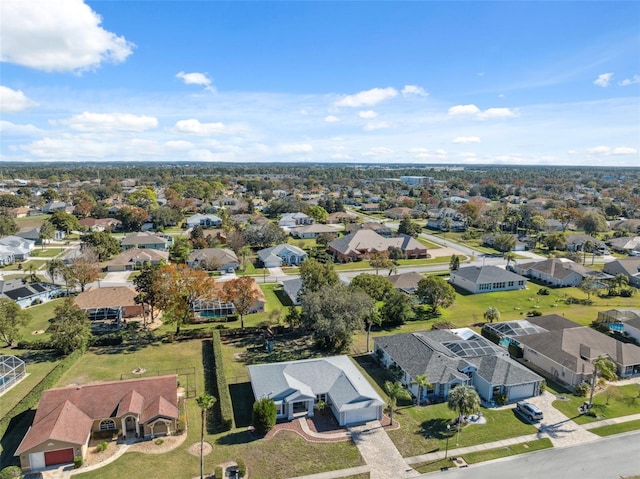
307 163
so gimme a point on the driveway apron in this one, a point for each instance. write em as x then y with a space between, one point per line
379 452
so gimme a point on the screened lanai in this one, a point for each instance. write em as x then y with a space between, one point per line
12 371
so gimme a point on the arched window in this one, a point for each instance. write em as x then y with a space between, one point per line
107 424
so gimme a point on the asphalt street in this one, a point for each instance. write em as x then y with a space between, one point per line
614 457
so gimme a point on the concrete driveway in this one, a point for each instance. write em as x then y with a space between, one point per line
556 426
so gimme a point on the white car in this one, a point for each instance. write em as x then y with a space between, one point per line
529 410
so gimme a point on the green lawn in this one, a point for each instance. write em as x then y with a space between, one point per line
616 428
622 401
424 429
40 316
46 253
522 448
38 364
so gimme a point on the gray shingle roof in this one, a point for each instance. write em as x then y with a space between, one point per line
486 274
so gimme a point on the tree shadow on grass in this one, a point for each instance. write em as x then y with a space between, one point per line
234 438
17 428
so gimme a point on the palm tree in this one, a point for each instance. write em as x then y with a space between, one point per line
491 314
205 402
605 368
422 380
509 256
395 391
464 400
55 267
618 281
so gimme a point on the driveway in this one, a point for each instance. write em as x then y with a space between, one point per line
556 426
379 452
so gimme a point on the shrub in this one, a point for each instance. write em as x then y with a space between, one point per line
102 446
543 292
543 386
534 312
218 473
264 415
77 461
11 472
626 292
500 399
159 442
242 467
223 405
582 389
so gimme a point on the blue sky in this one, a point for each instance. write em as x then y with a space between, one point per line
378 82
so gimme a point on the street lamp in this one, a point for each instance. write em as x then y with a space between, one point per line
446 447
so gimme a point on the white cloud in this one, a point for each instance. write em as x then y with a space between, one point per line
378 151
377 125
463 110
489 113
630 81
466 139
413 90
178 145
624 150
607 150
111 122
426 154
14 100
295 148
196 79
336 148
603 80
368 97
331 119
599 150
9 128
58 36
367 114
203 154
194 127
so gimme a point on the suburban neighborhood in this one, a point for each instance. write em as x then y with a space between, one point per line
258 314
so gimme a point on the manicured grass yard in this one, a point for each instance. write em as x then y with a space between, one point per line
623 401
40 316
424 429
38 364
46 253
490 454
616 428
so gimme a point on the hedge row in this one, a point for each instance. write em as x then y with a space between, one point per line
224 397
33 396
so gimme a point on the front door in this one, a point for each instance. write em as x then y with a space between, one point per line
130 424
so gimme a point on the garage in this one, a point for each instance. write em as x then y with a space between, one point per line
360 415
522 391
61 456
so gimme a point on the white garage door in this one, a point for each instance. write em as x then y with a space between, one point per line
36 460
361 415
521 392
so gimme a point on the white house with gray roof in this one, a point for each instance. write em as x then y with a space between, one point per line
276 256
483 279
296 386
450 358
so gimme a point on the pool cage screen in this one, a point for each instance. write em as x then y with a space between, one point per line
12 370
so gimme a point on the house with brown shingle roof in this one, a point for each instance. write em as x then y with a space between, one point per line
103 300
67 418
135 258
145 240
362 243
554 271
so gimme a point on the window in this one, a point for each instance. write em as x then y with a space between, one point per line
107 425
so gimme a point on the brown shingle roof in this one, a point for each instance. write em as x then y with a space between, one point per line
67 414
137 256
109 297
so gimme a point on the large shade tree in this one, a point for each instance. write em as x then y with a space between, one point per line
435 292
85 268
12 317
70 328
242 292
180 287
333 313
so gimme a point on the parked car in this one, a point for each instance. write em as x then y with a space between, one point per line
529 410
